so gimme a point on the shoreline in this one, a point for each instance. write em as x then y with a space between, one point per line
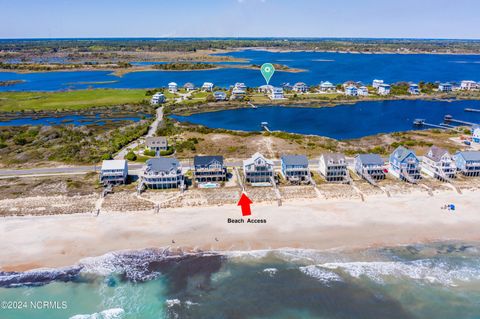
320 224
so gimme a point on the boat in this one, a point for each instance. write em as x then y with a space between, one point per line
419 121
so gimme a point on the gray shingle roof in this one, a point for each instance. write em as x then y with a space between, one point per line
163 164
296 160
435 153
470 155
370 159
334 157
402 152
155 141
207 160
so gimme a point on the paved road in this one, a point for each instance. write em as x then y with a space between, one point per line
151 132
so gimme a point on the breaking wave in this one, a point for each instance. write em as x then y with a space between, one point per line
114 313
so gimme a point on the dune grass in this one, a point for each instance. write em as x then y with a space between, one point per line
72 100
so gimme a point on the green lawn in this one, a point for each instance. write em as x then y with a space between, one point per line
72 100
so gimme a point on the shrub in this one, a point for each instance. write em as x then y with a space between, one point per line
169 151
149 153
131 156
107 156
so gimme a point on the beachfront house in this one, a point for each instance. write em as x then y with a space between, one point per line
220 96
413 89
207 87
362 91
189 86
438 163
370 167
468 163
300 87
114 172
405 165
326 87
445 87
241 86
162 173
156 144
157 98
266 89
277 94
351 91
209 169
295 168
333 167
172 87
376 83
258 169
476 134
239 91
469 85
383 89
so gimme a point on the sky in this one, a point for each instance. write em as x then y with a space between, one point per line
240 18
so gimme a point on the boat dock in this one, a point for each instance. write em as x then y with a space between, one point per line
450 119
264 126
421 122
252 105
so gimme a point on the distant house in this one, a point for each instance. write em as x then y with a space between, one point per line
277 94
469 85
370 167
383 89
240 86
468 163
172 87
404 164
161 173
189 86
362 91
258 169
445 87
207 87
156 144
438 163
239 91
287 86
157 98
327 87
295 168
476 134
220 96
209 169
300 87
376 83
114 172
267 89
351 91
333 167
413 89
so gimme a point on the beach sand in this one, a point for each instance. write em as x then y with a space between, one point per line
60 240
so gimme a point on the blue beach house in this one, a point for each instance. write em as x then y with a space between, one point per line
404 164
295 168
468 163
351 91
413 89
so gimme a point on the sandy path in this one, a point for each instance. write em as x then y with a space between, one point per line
31 242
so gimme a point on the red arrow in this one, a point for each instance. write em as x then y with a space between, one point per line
245 203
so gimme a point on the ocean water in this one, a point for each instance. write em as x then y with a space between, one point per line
340 122
440 280
318 66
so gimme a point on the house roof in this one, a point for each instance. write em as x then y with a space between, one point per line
326 84
370 159
299 84
163 164
435 153
470 155
255 156
333 157
172 84
220 93
207 160
156 140
113 164
207 84
296 160
189 85
402 152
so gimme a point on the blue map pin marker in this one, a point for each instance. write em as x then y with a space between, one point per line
267 70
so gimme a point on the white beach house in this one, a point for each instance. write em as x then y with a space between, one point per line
413 89
172 87
277 94
377 83
333 167
161 173
258 169
438 163
295 168
220 96
114 172
300 87
469 85
362 91
476 134
266 88
370 167
383 89
445 87
207 87
157 98
189 86
326 87
351 91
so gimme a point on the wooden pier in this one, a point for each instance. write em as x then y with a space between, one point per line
472 110
421 122
264 126
450 119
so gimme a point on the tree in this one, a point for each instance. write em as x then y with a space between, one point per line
131 156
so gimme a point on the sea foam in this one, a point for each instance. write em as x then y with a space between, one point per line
114 313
